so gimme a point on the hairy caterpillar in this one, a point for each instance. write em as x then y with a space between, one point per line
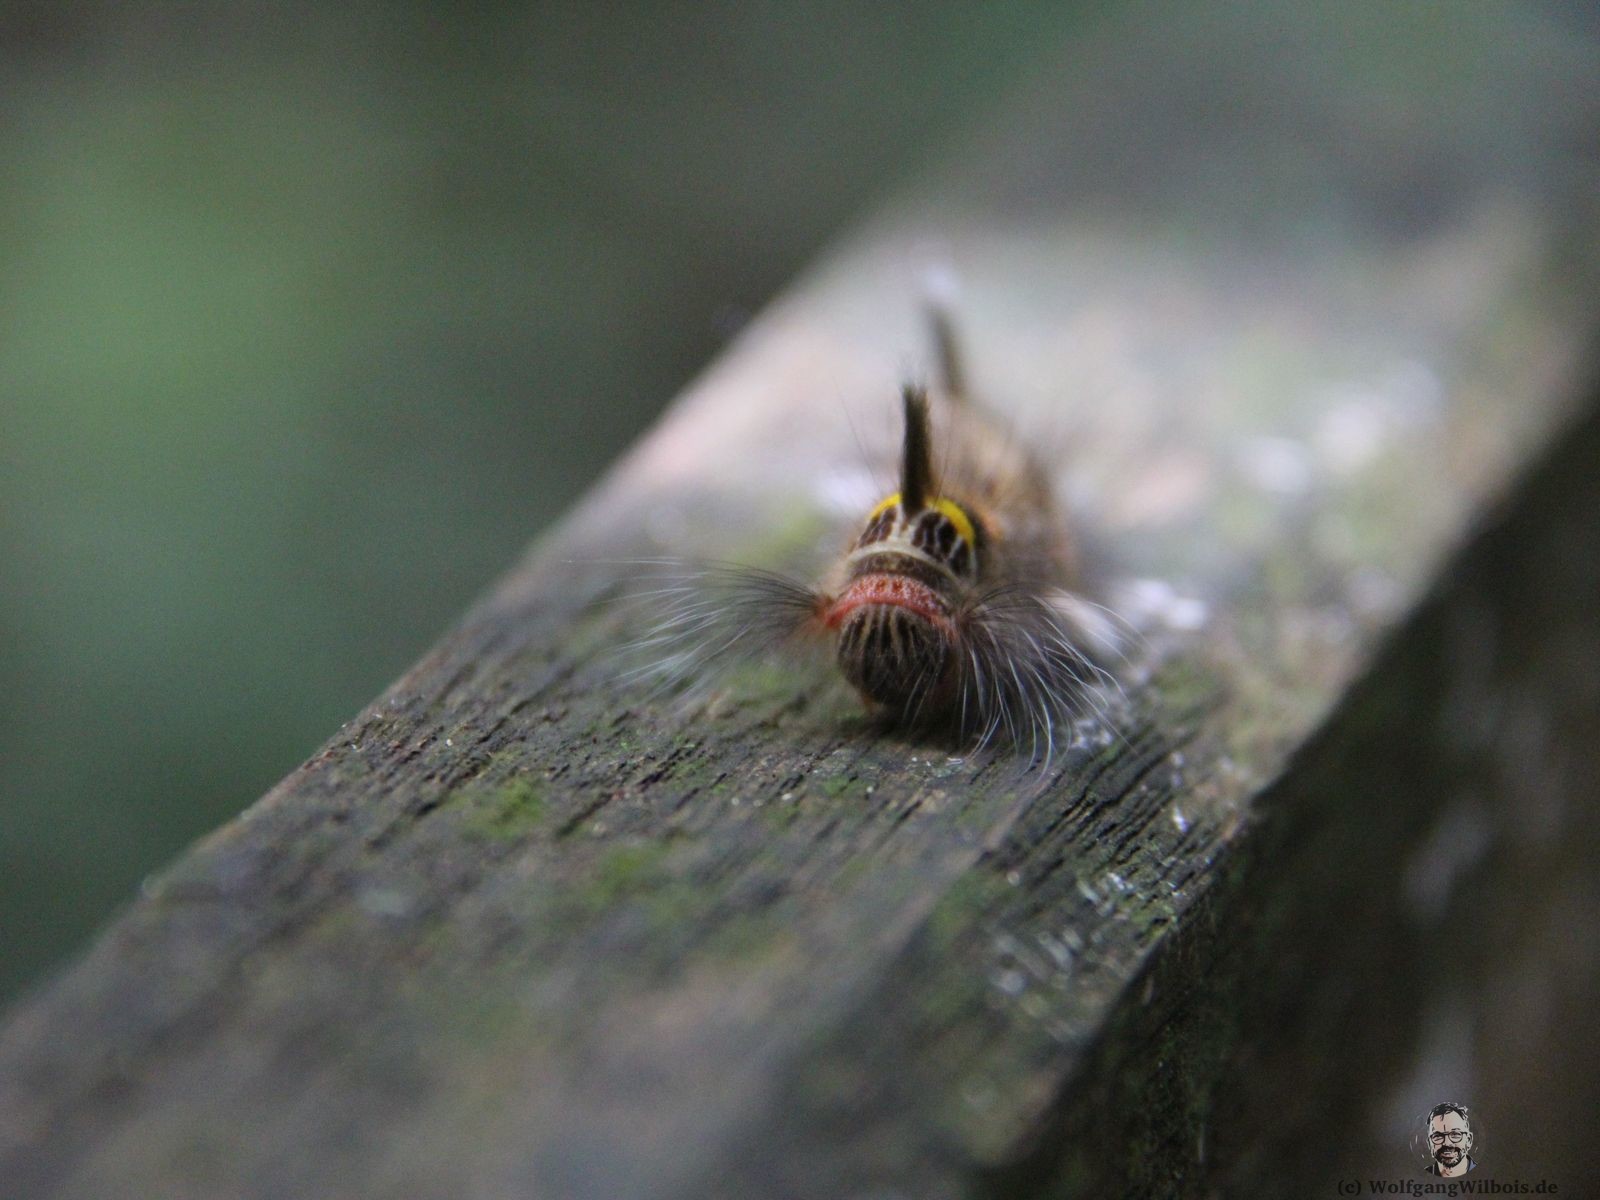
955 604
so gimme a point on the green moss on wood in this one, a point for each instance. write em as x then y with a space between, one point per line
508 812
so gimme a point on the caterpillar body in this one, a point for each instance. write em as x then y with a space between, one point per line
956 603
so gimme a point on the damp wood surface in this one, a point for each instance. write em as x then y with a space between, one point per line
1299 338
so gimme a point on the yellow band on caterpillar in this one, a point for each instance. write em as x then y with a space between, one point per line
959 519
948 507
884 505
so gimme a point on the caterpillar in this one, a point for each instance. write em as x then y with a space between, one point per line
957 602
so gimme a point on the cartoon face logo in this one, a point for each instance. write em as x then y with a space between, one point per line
1449 1140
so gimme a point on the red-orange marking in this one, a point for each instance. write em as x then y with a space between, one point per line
897 590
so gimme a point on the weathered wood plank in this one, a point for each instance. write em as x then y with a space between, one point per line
1411 918
520 930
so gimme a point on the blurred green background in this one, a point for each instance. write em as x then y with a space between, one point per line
311 319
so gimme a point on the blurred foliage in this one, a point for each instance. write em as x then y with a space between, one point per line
310 319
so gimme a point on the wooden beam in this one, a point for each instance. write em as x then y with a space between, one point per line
1302 301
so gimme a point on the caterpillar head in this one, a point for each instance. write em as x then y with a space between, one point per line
896 616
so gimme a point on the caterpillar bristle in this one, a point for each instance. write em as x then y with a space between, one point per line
916 451
1028 675
703 617
940 291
